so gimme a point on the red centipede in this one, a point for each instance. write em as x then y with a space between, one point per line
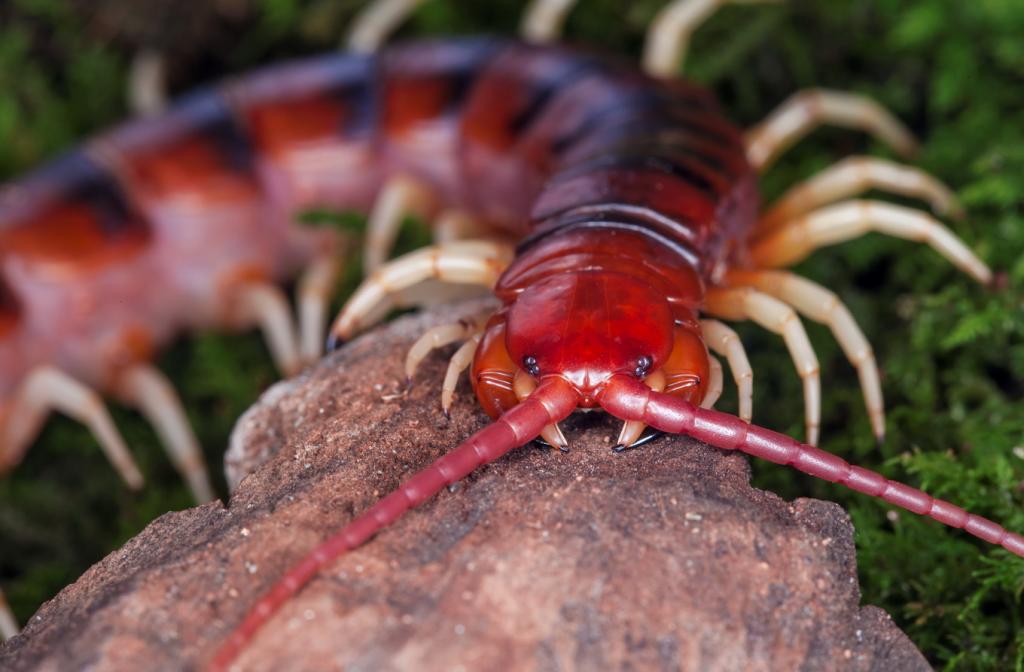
633 206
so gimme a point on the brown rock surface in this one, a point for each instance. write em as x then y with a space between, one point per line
661 558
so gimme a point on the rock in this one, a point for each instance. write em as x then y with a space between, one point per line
659 558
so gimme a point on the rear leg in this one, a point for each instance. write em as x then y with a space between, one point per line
466 262
146 388
807 110
777 317
47 389
852 219
819 304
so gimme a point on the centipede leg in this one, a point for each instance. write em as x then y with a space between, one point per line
46 389
399 197
668 37
8 624
774 315
724 341
852 177
313 299
543 20
715 385
266 305
465 262
147 85
807 110
452 225
852 219
438 337
372 26
146 388
819 304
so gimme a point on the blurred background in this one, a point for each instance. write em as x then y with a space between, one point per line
952 353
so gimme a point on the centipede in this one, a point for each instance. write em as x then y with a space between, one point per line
612 210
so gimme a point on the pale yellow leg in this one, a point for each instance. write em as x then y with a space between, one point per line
46 389
807 110
774 315
852 177
543 20
314 298
715 383
266 306
400 196
821 305
147 83
459 362
8 624
464 262
372 26
438 337
523 384
146 388
724 341
668 36
852 219
453 225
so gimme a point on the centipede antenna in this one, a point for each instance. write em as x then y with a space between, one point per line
544 20
552 401
8 624
47 389
626 398
372 26
146 388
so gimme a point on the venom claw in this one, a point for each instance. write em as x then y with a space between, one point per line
618 448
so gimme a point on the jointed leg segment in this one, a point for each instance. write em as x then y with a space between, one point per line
851 219
724 341
772 314
47 389
852 177
465 262
821 305
807 110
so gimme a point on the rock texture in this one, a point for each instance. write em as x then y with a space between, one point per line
661 558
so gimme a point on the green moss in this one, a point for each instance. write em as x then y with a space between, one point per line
952 353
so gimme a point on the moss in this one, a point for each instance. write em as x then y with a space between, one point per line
952 353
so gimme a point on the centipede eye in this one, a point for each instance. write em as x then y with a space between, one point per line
643 365
530 365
